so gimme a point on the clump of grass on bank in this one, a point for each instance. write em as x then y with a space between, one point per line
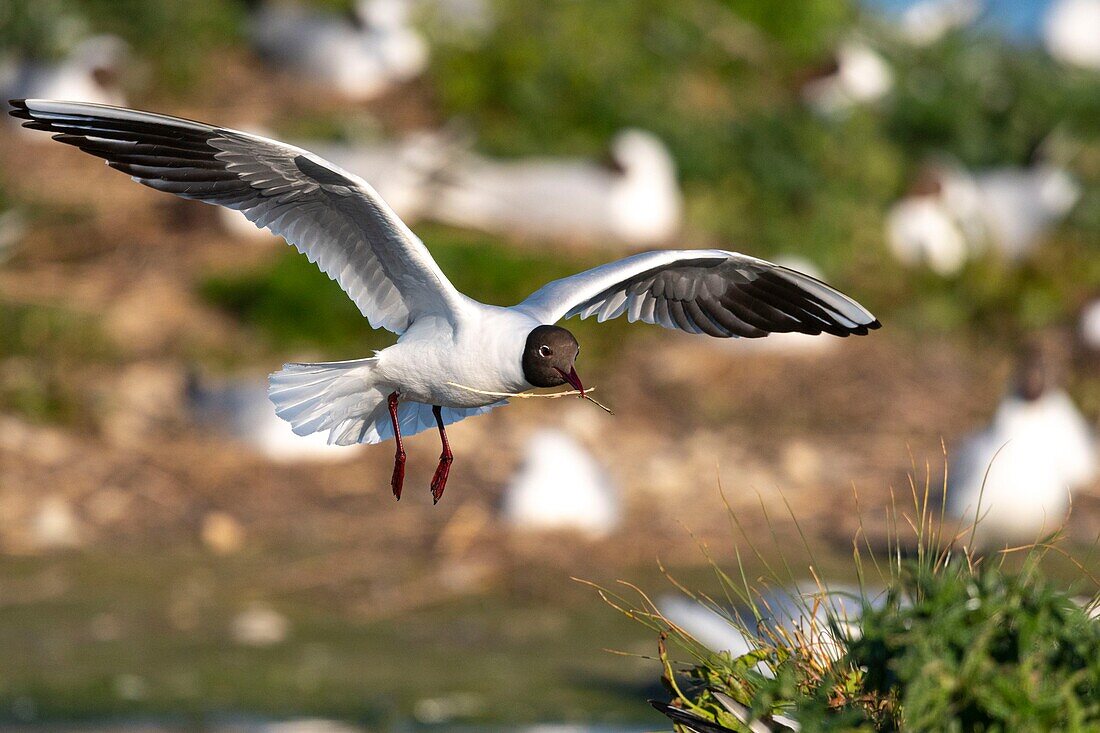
978 649
951 641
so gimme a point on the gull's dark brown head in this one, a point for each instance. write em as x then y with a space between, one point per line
548 358
1033 373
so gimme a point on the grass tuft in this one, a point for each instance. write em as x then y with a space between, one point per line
940 637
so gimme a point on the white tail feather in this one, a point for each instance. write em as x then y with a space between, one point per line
336 396
342 398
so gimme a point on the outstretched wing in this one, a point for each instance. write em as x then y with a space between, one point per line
714 292
331 216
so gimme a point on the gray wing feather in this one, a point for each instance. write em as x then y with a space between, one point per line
713 292
332 217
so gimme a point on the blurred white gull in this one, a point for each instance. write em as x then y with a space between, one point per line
1021 204
925 22
951 216
402 172
921 231
241 409
91 72
934 223
360 57
716 630
1024 466
1071 31
636 201
856 75
804 610
561 486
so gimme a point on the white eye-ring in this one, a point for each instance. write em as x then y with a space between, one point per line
545 351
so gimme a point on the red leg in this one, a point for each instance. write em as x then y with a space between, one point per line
439 480
398 479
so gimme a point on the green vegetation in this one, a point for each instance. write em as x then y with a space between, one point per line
295 306
984 649
951 641
40 349
957 648
175 37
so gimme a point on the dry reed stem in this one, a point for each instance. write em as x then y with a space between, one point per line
534 395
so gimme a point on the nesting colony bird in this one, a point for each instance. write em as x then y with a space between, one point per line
951 216
1020 205
856 75
360 57
717 630
455 357
241 409
635 200
1071 32
1016 475
937 222
807 610
561 486
91 72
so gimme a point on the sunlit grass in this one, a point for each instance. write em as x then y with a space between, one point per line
946 638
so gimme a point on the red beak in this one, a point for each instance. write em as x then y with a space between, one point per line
573 379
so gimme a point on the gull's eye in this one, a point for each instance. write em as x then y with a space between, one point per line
545 351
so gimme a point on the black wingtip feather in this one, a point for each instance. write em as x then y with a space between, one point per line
19 109
688 719
659 706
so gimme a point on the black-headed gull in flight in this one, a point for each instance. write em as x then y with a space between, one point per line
452 353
